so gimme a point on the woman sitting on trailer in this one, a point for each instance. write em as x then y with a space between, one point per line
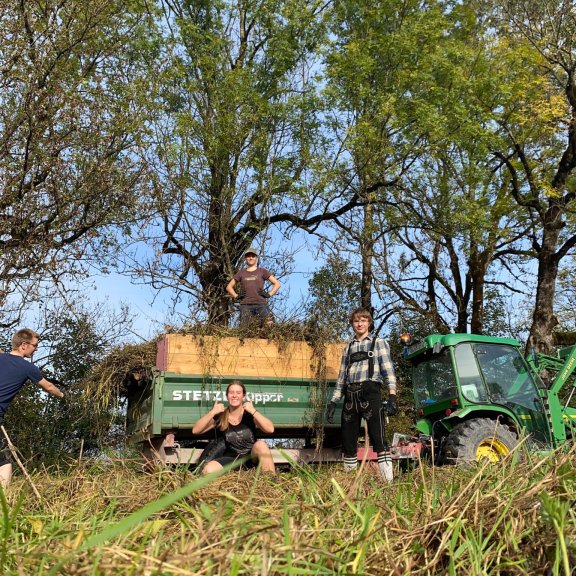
237 425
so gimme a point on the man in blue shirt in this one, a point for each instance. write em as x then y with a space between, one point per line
15 371
364 368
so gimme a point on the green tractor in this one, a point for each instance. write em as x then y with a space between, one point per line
476 397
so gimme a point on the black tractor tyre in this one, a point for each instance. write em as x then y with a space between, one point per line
478 439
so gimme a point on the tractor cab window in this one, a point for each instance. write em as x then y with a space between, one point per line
506 374
433 379
469 376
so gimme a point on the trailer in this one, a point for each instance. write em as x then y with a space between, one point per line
289 382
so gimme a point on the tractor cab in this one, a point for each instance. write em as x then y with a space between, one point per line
475 396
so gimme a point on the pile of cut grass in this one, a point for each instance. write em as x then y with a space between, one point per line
502 519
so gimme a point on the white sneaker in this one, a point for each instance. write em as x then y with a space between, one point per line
386 469
350 464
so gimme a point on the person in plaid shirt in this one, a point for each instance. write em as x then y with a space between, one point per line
365 366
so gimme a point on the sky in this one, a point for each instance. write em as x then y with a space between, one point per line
150 315
153 311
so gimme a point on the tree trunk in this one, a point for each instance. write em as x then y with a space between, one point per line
479 262
367 251
215 300
543 319
477 318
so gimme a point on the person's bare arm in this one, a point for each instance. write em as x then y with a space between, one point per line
206 423
261 421
275 285
51 388
230 288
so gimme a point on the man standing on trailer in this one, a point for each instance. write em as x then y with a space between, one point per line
15 371
364 367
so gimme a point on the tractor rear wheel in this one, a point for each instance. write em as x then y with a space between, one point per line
479 439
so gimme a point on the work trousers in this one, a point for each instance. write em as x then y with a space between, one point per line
363 400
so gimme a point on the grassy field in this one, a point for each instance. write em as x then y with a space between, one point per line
109 518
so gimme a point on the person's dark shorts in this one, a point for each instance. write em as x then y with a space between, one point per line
228 459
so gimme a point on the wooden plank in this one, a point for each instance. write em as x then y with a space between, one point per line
251 357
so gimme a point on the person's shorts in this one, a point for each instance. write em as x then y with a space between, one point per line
228 459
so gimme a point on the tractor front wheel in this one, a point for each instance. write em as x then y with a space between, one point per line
479 439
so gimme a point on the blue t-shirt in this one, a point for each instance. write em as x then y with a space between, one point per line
15 371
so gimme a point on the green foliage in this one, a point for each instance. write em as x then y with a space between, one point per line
47 430
497 314
69 171
77 346
334 293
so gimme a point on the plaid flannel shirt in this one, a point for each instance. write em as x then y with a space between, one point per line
383 369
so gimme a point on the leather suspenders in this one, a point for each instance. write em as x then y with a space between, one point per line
361 356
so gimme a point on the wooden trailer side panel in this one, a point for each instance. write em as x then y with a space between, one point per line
251 357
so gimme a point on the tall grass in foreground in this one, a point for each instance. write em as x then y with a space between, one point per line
509 518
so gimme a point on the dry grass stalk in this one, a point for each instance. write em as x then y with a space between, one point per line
324 521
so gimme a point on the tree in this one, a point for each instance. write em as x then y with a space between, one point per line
236 137
73 340
540 128
457 235
69 124
371 99
398 84
451 213
334 293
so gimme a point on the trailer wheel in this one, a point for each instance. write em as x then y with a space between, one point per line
479 439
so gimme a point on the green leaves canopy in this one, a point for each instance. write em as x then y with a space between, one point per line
68 129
